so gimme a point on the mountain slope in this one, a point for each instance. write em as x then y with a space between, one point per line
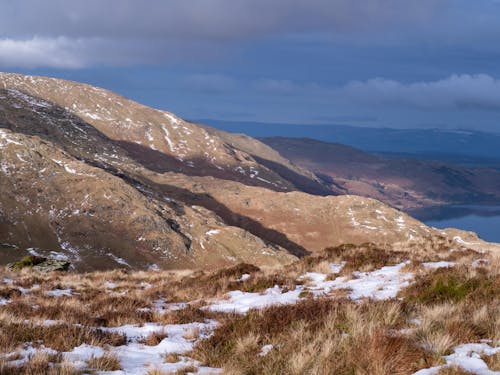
62 206
405 184
156 139
76 185
303 179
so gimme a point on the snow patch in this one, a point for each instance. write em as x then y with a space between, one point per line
381 284
467 357
60 293
265 350
119 260
442 264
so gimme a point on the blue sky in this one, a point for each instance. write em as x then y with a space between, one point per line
395 63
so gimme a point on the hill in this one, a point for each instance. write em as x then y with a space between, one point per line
106 182
403 183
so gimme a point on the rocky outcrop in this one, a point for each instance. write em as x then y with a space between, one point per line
40 264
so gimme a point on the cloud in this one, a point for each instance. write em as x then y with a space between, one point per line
201 18
58 33
480 92
74 53
55 53
276 86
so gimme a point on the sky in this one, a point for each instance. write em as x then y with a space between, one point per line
377 63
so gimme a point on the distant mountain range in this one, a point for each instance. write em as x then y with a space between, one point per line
467 147
408 184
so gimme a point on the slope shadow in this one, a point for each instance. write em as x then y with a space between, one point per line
159 162
78 145
270 236
301 182
146 186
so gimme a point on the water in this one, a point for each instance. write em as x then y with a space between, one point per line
484 220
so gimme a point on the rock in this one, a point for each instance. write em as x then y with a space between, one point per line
28 261
40 264
52 265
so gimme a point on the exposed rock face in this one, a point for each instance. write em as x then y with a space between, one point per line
91 177
53 265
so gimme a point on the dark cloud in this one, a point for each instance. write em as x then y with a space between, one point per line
276 60
122 32
202 18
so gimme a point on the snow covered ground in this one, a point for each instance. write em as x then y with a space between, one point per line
380 284
136 357
468 357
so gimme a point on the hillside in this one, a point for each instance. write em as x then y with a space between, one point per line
106 182
345 310
403 183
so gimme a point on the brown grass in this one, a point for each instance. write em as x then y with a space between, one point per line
187 370
154 338
330 335
315 336
106 362
493 361
192 334
61 337
172 358
41 364
454 370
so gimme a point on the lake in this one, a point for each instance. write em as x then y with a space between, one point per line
484 220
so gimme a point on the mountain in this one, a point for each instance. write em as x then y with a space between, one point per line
88 175
467 147
403 183
301 178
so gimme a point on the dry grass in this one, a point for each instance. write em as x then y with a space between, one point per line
190 314
40 364
316 336
187 370
493 361
107 362
61 337
154 338
192 334
454 370
454 306
172 358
